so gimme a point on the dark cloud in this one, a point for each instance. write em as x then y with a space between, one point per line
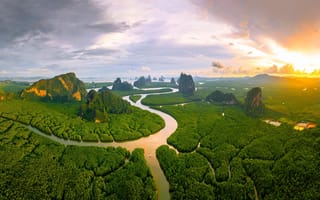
292 23
36 33
72 21
216 64
109 27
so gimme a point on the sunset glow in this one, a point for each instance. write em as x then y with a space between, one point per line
302 62
110 38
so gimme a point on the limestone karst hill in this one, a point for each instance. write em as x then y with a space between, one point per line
61 88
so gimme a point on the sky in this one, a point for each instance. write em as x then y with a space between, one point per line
128 38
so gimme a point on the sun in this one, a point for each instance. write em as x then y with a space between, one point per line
302 62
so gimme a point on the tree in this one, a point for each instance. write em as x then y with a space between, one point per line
186 84
100 104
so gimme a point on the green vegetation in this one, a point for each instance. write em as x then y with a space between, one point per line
135 91
11 89
12 86
219 97
122 86
173 82
187 174
62 121
62 88
135 98
169 99
288 99
160 85
93 85
100 104
142 82
223 153
253 103
232 156
186 85
33 167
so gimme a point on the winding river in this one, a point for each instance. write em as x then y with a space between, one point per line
149 144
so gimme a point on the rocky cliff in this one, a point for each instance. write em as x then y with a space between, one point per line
253 103
219 97
65 87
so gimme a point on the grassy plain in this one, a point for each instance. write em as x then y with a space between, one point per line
138 91
135 98
159 85
12 86
169 99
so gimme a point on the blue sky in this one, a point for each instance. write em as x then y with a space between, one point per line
127 38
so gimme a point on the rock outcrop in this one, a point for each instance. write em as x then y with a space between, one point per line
121 86
142 82
62 88
253 103
100 104
186 84
219 97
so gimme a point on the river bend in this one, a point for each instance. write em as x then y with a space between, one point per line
149 144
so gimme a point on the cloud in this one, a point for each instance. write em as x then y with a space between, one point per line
292 23
145 69
272 70
66 18
170 48
287 69
109 27
216 64
110 38
94 52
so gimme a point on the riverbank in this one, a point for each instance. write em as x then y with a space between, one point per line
149 144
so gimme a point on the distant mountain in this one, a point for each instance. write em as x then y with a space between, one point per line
62 88
100 104
265 77
142 81
219 97
121 86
